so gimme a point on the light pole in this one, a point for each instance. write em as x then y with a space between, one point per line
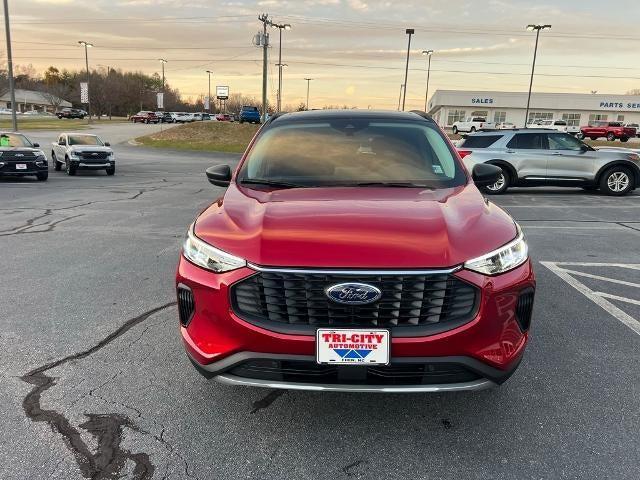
428 53
12 87
280 27
162 61
308 82
86 46
209 72
108 83
537 29
409 31
400 96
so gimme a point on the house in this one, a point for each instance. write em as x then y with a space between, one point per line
27 100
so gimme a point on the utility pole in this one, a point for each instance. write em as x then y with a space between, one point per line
308 82
12 86
163 61
264 18
428 53
400 96
86 46
209 72
537 29
409 31
280 27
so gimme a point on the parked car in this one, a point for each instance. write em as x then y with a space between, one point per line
224 117
5 111
201 117
472 124
249 114
610 130
537 157
635 126
82 151
559 125
306 296
183 117
20 157
71 113
505 126
165 117
144 117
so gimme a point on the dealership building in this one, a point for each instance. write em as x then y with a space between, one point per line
577 109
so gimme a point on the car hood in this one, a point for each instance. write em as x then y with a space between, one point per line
355 227
90 148
20 149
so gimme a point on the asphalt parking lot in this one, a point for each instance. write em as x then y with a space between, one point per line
95 383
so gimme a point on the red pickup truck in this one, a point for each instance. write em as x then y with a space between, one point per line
610 130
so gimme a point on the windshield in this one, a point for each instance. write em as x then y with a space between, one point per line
14 140
84 140
353 152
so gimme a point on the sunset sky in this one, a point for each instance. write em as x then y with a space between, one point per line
354 49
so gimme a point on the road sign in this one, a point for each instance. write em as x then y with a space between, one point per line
84 92
207 103
160 100
222 92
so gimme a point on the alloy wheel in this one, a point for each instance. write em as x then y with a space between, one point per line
499 185
618 181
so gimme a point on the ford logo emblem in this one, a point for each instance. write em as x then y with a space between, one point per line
353 293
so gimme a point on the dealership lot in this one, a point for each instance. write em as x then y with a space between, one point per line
95 379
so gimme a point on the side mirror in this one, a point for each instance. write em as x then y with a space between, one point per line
62 142
584 147
107 144
484 174
219 175
36 145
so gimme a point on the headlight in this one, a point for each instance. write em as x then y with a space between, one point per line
505 258
633 157
40 153
206 256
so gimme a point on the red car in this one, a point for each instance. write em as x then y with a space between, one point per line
224 117
145 117
352 251
608 130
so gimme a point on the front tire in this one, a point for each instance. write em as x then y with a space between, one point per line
70 169
57 166
624 139
617 181
473 130
455 130
42 176
111 171
501 186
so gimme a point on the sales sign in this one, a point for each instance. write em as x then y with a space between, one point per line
84 92
160 100
222 92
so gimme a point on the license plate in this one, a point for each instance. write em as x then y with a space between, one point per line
343 346
21 166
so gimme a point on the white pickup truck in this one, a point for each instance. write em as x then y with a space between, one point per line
473 124
82 151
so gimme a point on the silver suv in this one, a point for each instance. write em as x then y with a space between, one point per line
539 157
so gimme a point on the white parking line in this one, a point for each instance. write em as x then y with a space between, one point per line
598 297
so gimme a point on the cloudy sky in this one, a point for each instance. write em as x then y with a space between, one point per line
354 49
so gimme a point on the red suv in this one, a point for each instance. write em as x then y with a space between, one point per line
144 117
352 251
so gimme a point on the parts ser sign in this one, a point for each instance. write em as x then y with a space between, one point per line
620 105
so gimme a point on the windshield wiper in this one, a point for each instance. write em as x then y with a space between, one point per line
270 183
394 184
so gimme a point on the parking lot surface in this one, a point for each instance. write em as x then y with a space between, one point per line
95 383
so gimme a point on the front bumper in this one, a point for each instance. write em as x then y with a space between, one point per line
490 346
84 165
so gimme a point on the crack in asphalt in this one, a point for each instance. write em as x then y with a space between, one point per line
50 227
265 402
110 457
348 469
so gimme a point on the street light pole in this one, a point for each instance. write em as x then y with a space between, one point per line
108 77
264 18
409 31
209 72
162 61
537 29
12 86
400 96
308 82
428 53
280 27
86 46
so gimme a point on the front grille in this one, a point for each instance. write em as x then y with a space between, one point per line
14 156
94 155
524 309
186 304
396 374
410 304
